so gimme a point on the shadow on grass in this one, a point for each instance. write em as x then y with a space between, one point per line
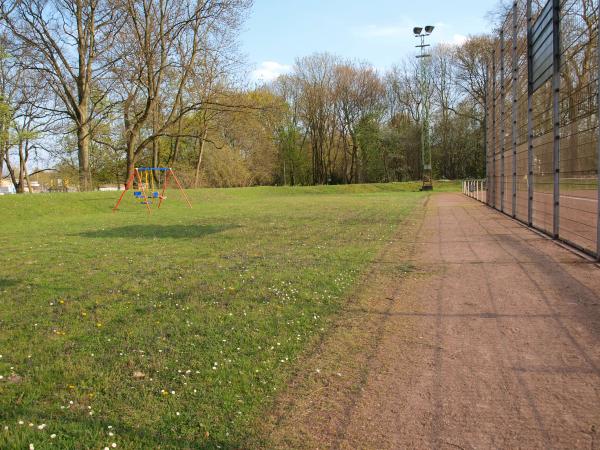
159 231
7 282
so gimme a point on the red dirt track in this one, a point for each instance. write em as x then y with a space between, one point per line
508 352
496 345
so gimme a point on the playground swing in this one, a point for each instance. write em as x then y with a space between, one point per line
149 184
148 191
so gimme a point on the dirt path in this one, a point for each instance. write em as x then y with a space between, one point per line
473 332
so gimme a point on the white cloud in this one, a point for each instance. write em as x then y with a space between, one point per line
269 70
457 39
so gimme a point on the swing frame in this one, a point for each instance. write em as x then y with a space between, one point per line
136 175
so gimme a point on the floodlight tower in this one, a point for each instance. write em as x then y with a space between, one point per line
421 34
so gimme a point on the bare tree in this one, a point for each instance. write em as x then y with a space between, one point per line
358 93
160 46
25 116
64 39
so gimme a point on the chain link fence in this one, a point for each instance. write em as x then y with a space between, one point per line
542 119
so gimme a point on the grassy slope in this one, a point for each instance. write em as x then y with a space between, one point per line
212 304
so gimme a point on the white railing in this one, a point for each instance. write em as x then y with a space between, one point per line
476 189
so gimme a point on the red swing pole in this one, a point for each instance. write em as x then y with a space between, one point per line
180 188
127 187
164 190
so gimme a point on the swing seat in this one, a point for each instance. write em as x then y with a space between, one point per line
137 194
156 195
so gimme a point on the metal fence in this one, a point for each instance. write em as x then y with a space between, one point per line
476 189
542 120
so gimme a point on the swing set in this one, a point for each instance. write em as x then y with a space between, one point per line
148 192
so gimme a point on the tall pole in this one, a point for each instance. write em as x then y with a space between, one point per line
426 158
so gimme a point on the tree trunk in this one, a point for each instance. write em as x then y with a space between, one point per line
130 159
200 154
83 154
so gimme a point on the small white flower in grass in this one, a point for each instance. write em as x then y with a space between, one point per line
21 422
31 447
110 433
42 426
110 427
1 377
30 424
113 445
172 392
106 448
52 436
177 413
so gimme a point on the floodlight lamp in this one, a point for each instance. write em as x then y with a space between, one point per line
429 29
417 30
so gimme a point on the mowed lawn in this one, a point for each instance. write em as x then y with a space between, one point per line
178 329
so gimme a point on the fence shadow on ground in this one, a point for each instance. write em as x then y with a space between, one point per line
149 231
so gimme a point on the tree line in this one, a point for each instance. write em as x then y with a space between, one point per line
99 87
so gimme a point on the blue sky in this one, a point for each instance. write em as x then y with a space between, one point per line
378 31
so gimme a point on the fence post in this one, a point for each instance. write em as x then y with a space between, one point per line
556 115
515 71
529 120
502 122
598 143
492 201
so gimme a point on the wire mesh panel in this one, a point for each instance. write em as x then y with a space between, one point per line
507 147
490 133
521 114
543 175
579 122
543 117
499 132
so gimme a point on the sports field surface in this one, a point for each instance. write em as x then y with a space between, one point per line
176 329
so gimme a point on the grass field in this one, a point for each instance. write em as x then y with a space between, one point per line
174 330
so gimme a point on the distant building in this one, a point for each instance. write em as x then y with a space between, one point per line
6 187
110 187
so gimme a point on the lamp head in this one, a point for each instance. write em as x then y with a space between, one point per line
417 30
429 29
